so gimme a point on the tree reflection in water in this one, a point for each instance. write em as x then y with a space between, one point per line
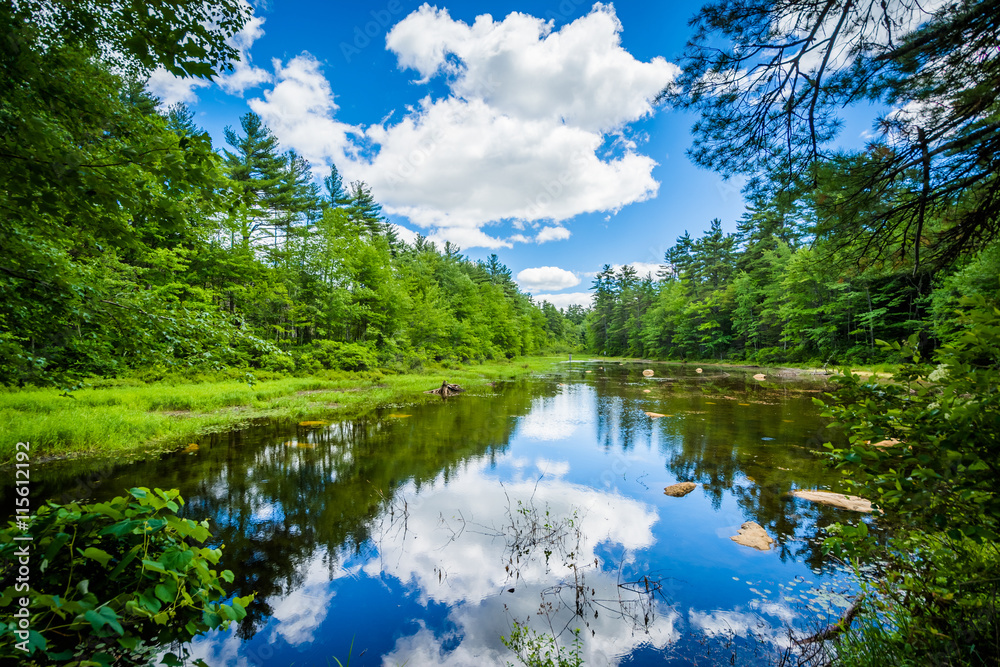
538 502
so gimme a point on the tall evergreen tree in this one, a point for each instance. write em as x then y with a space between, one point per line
259 174
336 194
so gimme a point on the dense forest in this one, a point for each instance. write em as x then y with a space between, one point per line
131 242
772 292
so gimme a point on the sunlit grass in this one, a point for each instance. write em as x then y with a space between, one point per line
141 417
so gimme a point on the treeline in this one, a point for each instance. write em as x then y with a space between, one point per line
130 242
774 292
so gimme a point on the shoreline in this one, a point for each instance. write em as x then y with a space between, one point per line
138 421
783 371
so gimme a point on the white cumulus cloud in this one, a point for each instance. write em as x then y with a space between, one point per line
547 278
533 126
299 109
244 74
552 234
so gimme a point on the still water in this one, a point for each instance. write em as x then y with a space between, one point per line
422 534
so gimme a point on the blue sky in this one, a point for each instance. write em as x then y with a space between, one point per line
521 128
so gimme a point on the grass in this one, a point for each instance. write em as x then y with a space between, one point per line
875 639
138 418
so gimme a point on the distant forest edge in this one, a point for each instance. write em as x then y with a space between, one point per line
772 292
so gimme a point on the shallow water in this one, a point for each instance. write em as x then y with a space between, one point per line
421 534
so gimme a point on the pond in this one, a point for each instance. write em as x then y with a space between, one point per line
422 534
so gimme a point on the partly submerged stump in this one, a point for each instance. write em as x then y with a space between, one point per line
445 390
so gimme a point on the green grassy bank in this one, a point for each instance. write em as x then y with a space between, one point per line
138 417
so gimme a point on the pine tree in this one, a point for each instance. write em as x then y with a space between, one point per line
259 175
364 210
336 195
180 120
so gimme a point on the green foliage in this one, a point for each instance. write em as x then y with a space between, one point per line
113 581
331 354
535 649
935 477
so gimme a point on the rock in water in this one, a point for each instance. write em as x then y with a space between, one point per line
648 373
853 503
680 489
753 535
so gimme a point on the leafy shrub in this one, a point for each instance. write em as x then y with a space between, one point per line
111 582
937 479
332 354
279 362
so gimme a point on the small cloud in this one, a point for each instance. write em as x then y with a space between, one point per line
300 110
406 235
568 299
547 278
173 89
641 268
465 237
552 234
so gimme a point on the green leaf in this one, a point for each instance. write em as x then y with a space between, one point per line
94 553
104 616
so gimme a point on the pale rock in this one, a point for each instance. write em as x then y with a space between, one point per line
680 489
843 501
752 534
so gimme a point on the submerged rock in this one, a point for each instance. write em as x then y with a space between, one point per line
752 534
680 489
843 501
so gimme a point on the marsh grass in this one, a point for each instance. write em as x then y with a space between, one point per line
138 417
875 639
